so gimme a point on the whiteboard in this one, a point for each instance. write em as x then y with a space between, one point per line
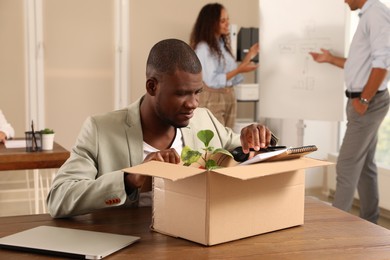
292 85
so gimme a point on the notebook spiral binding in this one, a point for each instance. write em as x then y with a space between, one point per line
302 149
293 153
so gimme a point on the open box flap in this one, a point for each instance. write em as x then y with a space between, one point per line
164 170
246 172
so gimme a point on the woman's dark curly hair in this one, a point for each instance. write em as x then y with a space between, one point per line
206 25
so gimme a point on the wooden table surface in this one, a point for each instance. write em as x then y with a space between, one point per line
19 159
328 233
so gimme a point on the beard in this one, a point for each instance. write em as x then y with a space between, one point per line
167 119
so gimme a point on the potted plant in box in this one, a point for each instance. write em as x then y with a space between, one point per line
209 158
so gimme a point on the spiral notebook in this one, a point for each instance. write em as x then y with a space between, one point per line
282 154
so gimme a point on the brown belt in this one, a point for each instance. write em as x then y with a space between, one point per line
219 90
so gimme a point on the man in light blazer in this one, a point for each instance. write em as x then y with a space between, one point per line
155 127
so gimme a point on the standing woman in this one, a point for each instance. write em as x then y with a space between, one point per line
211 42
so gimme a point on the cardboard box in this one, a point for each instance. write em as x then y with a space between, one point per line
212 207
247 92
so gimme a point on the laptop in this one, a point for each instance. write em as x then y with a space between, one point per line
67 242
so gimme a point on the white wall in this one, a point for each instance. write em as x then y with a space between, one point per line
12 63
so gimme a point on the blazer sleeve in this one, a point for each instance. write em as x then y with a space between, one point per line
79 187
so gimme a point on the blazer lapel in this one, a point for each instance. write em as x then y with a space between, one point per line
189 137
134 133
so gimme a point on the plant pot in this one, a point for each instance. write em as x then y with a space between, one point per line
47 141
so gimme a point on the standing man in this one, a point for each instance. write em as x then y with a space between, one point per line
366 78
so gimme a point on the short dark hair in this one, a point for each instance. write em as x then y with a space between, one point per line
170 55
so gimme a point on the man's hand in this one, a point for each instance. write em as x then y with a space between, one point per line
325 56
255 136
133 181
168 155
359 107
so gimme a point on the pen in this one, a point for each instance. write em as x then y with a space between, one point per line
269 148
34 148
272 148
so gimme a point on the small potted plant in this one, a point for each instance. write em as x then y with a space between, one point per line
47 139
210 158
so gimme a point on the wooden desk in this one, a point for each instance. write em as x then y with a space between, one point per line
328 233
18 159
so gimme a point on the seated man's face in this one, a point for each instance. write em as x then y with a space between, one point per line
177 97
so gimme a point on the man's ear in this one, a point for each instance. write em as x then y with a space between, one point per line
151 86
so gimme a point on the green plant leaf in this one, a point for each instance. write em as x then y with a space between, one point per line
211 164
205 136
189 156
223 151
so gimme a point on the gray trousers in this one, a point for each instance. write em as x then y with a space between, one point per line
356 167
